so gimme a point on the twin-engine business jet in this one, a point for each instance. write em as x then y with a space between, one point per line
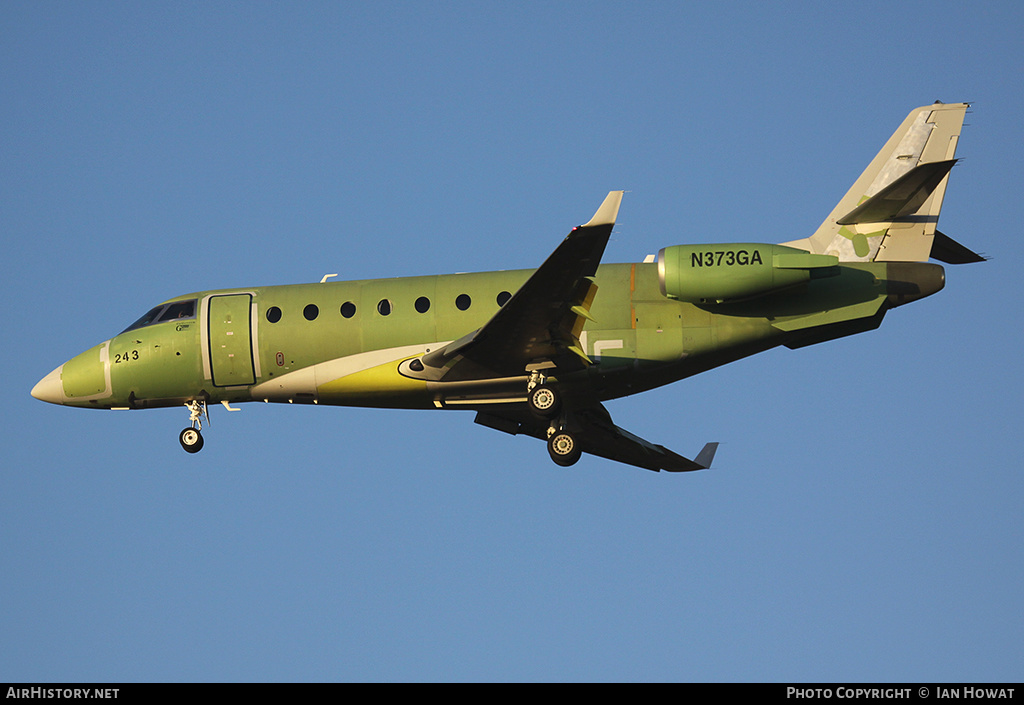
538 352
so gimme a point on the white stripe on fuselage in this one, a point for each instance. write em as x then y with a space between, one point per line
306 380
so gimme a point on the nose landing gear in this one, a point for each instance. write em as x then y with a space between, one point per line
190 438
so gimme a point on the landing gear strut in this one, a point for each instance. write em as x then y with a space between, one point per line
190 438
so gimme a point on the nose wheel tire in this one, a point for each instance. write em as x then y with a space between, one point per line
191 440
563 449
544 401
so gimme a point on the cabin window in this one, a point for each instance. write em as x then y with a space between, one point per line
384 307
423 304
273 314
311 312
348 309
463 302
503 298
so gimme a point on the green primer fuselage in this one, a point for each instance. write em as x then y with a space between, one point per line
332 344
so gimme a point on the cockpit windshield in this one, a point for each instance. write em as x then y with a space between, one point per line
165 312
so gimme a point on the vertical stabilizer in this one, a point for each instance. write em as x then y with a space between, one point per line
891 211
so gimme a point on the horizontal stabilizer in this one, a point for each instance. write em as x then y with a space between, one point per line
946 249
902 197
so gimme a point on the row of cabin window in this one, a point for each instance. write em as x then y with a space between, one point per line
348 309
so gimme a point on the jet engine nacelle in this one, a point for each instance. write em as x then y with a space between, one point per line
704 274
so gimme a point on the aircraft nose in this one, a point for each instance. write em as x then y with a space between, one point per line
49 388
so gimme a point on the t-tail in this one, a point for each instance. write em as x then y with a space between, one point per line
891 212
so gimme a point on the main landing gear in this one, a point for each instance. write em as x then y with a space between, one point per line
563 447
545 402
190 438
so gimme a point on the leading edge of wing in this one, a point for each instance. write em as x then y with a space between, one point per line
541 319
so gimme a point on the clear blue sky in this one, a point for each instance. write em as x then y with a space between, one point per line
864 518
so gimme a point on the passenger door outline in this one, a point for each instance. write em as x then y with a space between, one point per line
230 340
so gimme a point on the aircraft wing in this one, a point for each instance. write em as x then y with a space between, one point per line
598 435
541 323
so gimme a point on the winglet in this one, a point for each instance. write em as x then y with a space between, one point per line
706 455
608 211
676 463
